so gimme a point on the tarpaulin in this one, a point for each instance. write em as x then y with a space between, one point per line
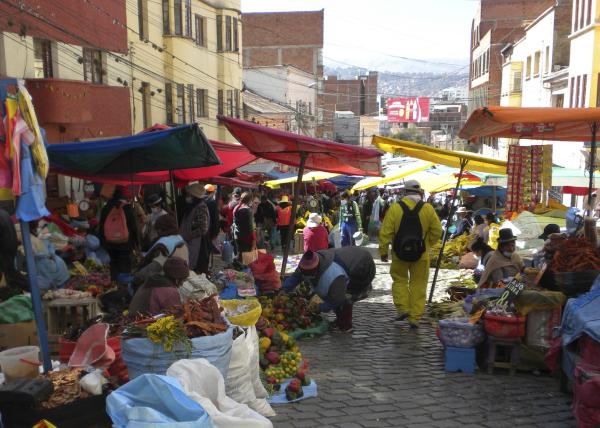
308 177
537 123
392 175
439 156
286 147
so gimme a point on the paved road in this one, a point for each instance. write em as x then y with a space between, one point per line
384 375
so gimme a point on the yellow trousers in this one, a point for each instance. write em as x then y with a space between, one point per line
409 287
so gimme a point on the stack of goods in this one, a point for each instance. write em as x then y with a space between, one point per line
91 277
529 175
453 251
445 309
504 323
574 262
289 312
195 329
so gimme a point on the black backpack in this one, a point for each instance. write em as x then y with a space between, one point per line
409 244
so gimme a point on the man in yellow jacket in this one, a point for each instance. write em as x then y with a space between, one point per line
411 272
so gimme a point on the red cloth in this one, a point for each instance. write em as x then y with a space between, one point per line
315 238
322 155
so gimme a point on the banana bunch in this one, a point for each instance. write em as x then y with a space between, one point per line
454 249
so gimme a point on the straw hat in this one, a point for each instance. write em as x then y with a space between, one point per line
285 198
195 190
314 220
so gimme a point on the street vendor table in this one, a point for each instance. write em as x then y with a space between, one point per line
60 313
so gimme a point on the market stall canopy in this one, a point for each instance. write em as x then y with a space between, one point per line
561 177
440 156
434 183
286 148
537 123
392 175
170 149
309 177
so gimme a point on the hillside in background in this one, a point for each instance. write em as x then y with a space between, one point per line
406 84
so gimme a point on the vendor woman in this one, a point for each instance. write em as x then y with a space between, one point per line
504 262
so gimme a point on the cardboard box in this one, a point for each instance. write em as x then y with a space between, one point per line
19 334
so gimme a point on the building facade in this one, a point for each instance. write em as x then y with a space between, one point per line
357 95
288 38
289 86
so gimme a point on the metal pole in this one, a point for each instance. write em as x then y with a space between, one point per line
173 194
592 162
292 227
36 298
463 164
494 196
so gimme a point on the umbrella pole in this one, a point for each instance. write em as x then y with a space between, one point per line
494 205
292 227
592 162
463 164
173 195
36 298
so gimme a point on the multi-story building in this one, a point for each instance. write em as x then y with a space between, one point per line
186 58
289 86
535 74
266 112
287 38
496 24
357 95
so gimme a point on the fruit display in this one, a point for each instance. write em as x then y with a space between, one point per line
90 276
294 390
445 309
289 312
453 251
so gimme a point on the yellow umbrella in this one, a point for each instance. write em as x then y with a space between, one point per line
433 183
392 175
443 157
311 176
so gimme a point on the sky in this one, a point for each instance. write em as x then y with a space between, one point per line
375 33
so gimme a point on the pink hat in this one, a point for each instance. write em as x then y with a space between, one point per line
309 261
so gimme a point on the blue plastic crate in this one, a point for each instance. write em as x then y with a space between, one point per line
460 359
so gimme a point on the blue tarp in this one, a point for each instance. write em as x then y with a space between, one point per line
345 181
582 315
176 148
488 191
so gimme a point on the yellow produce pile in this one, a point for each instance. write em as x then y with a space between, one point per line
454 249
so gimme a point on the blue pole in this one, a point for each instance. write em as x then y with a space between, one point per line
36 298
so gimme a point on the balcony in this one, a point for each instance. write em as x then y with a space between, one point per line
95 110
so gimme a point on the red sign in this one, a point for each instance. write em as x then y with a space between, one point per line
411 110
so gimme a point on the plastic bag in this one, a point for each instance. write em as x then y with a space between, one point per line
468 261
265 275
205 385
142 356
196 287
153 400
92 382
241 377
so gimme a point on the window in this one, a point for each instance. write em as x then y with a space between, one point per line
588 19
188 18
236 41
228 33
583 91
178 17
200 27
169 102
558 101
180 108
191 106
165 17
143 19
577 92
571 92
236 100
528 68
517 79
202 102
582 14
220 108
219 33
230 103
536 63
42 64
575 15
146 105
93 68
547 59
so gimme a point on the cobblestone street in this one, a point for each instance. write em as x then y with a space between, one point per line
384 375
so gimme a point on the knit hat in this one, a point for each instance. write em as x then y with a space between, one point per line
309 261
176 268
166 225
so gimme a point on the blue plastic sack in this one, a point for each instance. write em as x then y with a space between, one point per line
230 292
152 401
227 252
142 356
574 220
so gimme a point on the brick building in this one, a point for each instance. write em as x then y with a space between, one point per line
496 24
357 95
